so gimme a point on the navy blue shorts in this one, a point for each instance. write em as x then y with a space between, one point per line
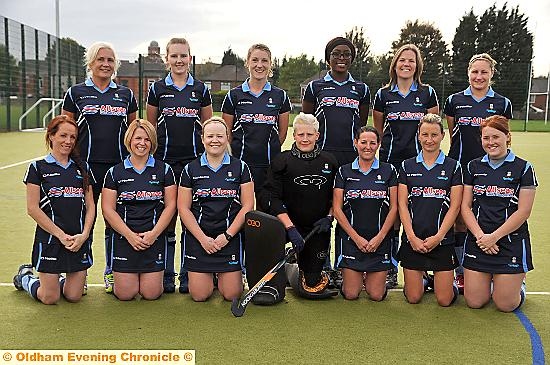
441 258
512 258
126 259
352 258
196 259
54 258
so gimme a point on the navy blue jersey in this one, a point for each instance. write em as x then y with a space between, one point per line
179 118
402 113
336 106
496 190
256 122
429 192
61 195
216 192
140 194
366 195
468 113
101 116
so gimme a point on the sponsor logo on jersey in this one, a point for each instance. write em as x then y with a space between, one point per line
405 116
389 102
414 175
329 88
180 112
493 190
352 179
87 97
201 177
483 174
107 109
471 121
48 258
365 194
428 192
119 258
66 192
259 118
216 193
166 96
305 180
90 109
190 257
470 255
52 174
244 102
348 257
140 195
463 106
124 180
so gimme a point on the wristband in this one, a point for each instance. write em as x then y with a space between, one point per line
228 237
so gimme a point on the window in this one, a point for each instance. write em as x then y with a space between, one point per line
225 86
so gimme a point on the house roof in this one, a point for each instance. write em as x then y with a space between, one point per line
539 85
228 73
317 76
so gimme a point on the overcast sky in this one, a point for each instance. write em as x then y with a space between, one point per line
288 27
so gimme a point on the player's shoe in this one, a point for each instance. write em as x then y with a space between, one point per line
391 279
109 280
25 269
459 280
169 282
335 279
184 282
85 287
428 281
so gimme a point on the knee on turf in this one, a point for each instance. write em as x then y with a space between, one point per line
50 298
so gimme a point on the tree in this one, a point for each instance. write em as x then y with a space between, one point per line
429 40
378 75
295 70
8 82
504 35
464 47
230 58
362 63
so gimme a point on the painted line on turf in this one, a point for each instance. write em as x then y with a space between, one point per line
537 350
21 163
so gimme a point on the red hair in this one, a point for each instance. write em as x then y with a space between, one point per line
497 122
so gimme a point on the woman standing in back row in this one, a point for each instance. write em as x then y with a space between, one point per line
101 109
398 108
177 105
256 114
465 111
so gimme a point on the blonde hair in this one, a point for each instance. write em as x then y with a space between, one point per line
482 57
306 120
260 47
91 55
431 118
149 130
419 64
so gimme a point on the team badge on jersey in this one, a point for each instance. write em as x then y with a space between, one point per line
417 102
508 176
442 176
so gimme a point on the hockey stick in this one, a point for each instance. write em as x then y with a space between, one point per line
238 307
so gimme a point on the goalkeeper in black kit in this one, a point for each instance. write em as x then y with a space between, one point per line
299 189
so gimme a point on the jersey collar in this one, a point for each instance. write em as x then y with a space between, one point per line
170 82
246 88
328 77
355 166
50 159
490 93
89 82
439 160
510 157
225 161
128 164
395 89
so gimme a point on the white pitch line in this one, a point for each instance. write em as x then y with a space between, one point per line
21 163
101 285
